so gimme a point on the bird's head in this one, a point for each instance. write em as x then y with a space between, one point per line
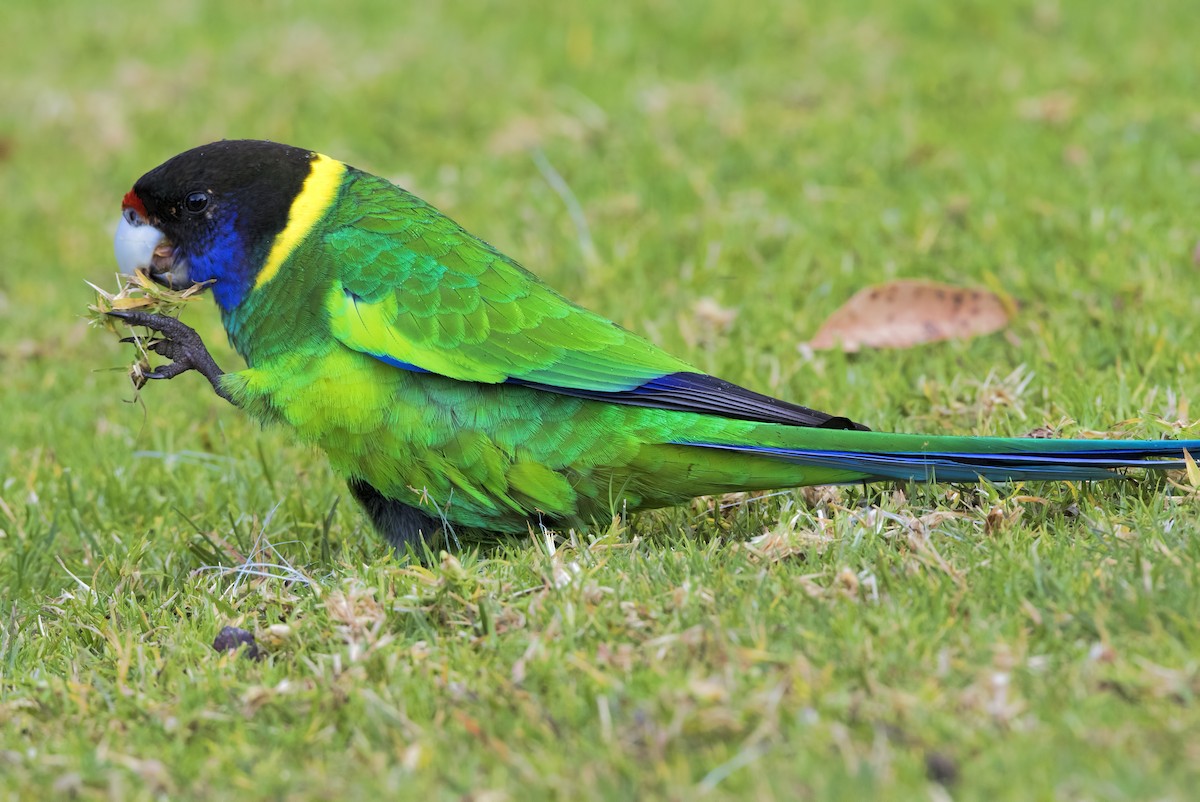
214 214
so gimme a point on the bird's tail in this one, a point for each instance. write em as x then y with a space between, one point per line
924 458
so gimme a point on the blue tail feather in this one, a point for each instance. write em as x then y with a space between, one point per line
999 459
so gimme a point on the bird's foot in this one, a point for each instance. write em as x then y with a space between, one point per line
180 343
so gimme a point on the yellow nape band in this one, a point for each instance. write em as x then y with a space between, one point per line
317 192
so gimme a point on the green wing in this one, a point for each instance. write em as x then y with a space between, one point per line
417 291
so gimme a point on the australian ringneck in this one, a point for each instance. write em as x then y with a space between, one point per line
449 385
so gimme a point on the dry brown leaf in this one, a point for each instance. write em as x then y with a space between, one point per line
904 313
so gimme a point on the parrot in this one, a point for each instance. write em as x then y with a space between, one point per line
455 392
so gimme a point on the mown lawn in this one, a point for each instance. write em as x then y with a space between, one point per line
886 642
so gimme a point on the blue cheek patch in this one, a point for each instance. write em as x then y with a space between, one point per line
223 259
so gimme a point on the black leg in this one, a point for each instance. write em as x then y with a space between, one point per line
402 525
180 344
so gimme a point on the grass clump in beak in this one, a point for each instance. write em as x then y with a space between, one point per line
139 291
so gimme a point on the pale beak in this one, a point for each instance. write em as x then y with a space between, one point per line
140 246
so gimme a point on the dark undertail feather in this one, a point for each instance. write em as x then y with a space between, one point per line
997 459
708 395
407 527
402 525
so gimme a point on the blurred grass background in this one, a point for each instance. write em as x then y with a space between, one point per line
773 157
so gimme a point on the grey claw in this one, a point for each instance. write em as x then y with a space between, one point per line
179 343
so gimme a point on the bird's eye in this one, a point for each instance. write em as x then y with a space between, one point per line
196 202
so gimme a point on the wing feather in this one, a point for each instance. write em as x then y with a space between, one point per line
418 292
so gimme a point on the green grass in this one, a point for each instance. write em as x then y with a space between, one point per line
1029 642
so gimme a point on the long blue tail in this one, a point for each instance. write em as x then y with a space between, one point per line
922 458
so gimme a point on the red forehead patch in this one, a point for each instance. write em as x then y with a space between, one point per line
132 201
